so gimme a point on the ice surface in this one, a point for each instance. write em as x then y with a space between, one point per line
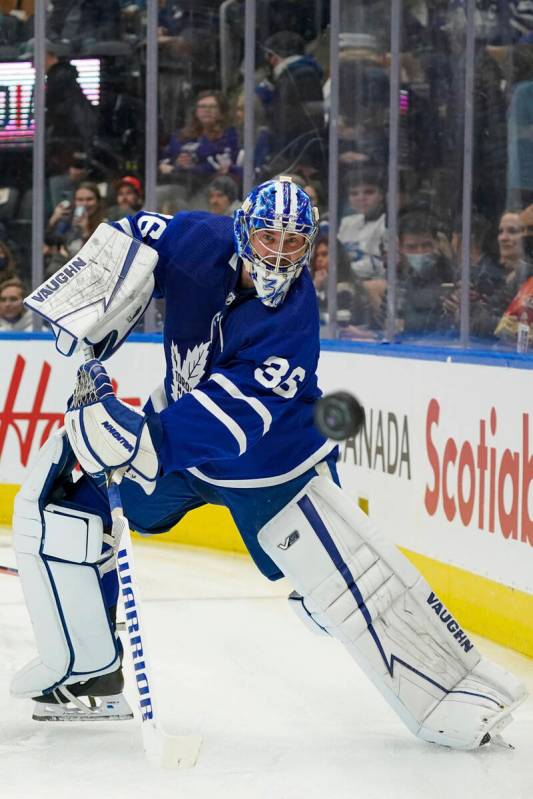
283 714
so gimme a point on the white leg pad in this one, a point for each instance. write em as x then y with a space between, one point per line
58 552
358 587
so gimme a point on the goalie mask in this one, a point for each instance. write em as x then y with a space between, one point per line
274 232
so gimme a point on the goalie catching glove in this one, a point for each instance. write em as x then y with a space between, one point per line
105 433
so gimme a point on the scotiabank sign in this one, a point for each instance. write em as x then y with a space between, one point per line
445 460
478 482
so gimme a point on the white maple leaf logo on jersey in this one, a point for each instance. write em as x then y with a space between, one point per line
187 374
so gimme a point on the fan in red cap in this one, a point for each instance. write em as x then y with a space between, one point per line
129 198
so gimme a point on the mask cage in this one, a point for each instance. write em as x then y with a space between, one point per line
283 262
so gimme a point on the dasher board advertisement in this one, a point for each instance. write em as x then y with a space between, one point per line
445 459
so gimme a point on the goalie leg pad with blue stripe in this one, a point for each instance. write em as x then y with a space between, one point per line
355 585
60 559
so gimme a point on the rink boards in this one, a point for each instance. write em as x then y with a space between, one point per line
445 463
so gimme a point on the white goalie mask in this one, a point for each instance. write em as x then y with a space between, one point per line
274 232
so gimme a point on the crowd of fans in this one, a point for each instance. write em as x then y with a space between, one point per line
95 153
428 284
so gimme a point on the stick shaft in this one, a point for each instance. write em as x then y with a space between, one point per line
8 570
132 604
133 609
135 627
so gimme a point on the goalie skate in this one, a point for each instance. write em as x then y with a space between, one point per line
99 699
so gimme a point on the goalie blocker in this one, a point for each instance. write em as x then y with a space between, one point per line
99 295
354 585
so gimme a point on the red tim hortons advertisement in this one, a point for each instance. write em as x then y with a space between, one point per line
32 401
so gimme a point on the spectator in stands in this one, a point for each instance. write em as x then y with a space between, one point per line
515 269
8 264
89 211
319 268
363 230
363 100
54 253
11 28
293 102
511 247
13 315
129 198
526 218
84 22
205 147
486 277
518 308
424 272
263 138
60 221
63 186
312 189
353 306
70 117
223 196
424 276
481 262
77 223
315 190
496 281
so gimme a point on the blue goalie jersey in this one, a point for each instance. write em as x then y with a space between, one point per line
240 380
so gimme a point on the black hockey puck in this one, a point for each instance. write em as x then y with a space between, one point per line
339 415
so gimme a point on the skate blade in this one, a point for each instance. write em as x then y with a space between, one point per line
497 740
102 708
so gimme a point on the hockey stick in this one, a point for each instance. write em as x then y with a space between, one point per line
162 748
168 751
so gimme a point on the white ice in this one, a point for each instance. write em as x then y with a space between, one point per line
284 714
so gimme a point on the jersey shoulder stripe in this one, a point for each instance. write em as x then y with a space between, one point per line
230 387
234 428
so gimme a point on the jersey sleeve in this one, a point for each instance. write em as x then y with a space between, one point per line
150 228
190 241
241 401
145 226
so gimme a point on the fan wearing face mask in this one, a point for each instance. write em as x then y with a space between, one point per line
424 273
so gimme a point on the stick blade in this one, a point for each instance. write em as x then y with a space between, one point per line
170 751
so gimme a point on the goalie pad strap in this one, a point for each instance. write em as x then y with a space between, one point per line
360 589
58 552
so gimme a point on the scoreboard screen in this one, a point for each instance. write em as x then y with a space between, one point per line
17 80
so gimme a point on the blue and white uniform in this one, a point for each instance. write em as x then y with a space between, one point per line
241 377
235 415
233 426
